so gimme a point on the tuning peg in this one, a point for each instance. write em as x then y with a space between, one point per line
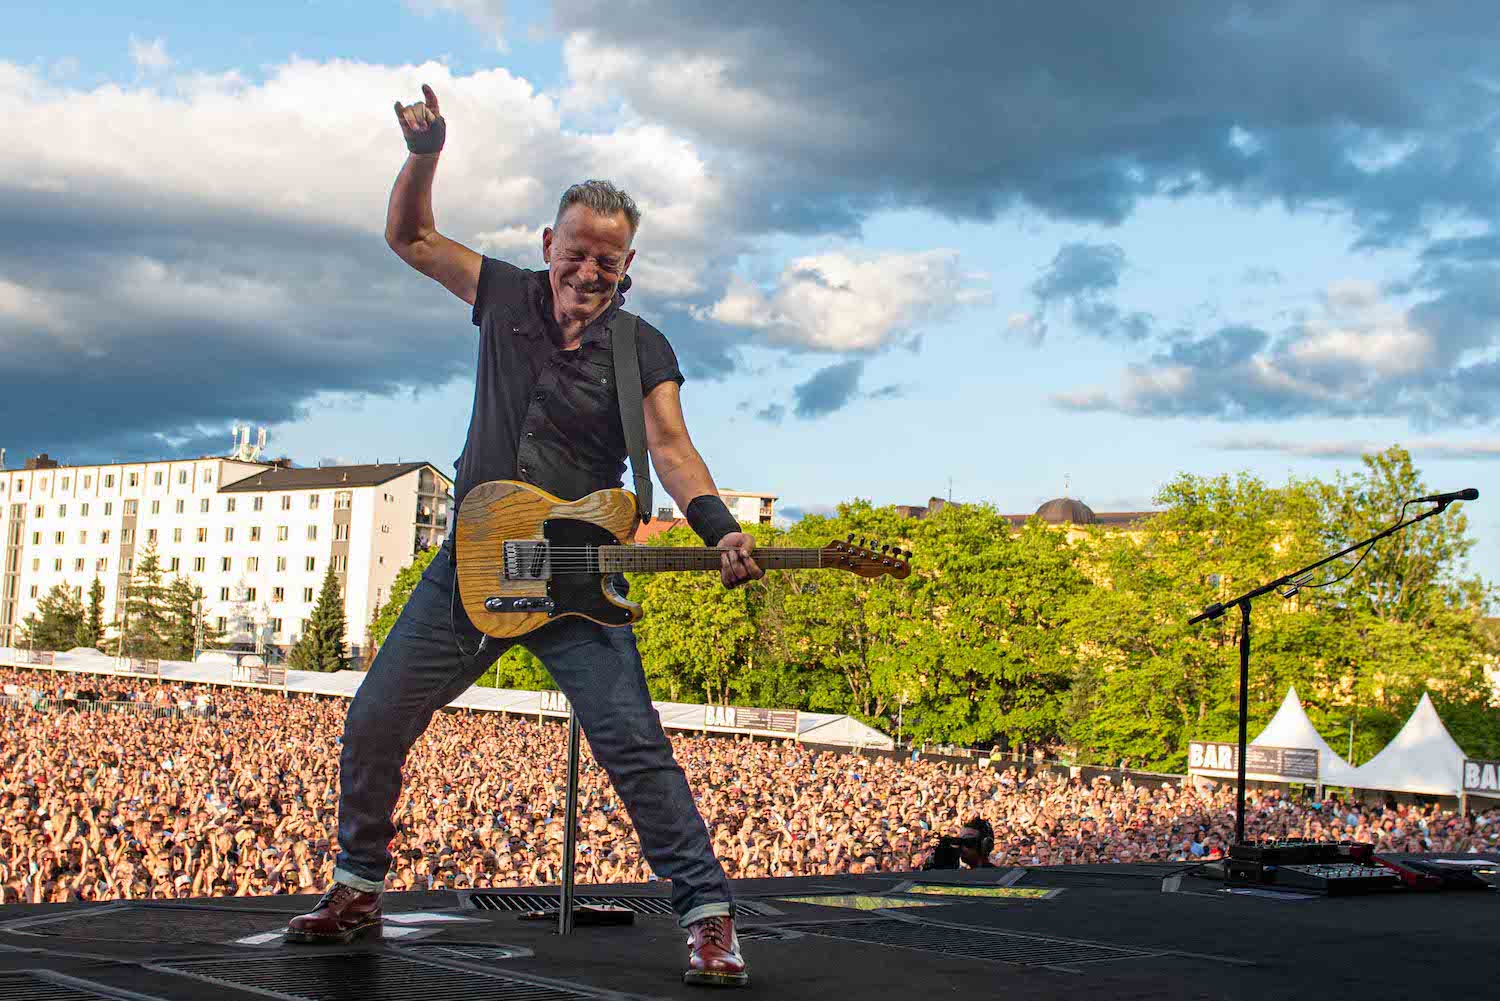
851 538
885 548
908 554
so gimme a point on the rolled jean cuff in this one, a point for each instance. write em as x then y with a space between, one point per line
718 907
358 882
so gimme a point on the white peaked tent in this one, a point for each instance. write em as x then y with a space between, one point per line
1290 727
1421 758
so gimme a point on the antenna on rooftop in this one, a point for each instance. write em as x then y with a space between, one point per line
2 458
243 450
1067 481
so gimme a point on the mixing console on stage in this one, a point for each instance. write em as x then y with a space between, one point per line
1336 868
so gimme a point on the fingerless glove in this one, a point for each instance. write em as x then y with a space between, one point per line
710 518
430 141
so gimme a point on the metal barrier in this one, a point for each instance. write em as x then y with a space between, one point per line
48 704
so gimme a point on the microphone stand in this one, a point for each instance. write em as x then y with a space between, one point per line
1296 580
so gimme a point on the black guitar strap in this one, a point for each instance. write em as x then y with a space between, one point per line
632 407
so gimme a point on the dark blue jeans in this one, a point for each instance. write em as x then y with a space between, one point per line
419 670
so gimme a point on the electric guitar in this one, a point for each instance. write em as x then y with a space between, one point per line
526 557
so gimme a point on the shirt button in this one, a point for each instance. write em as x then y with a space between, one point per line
540 397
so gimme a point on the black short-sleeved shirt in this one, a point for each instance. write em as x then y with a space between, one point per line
541 414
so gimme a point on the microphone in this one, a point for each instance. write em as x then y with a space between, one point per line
1449 498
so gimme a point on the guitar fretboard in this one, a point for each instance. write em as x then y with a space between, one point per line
648 559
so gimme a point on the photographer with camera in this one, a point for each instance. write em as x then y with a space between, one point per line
972 847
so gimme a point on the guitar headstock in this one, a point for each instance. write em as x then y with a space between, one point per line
867 558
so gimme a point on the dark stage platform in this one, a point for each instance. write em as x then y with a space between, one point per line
1078 932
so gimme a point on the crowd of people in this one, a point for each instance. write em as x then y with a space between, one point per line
237 794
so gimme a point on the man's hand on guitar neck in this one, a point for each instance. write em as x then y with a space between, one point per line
735 564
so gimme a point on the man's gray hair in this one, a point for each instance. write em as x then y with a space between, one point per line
604 198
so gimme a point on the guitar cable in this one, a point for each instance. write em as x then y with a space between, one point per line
453 621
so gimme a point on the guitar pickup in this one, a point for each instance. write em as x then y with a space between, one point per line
528 561
530 604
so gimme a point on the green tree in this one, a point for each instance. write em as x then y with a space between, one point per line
322 645
401 589
56 621
90 631
189 627
147 620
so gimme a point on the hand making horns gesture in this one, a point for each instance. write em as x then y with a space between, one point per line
419 119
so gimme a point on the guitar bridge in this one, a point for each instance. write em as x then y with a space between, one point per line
528 561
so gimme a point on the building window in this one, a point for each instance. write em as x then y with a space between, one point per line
127 536
40 510
83 538
135 479
33 590
283 533
341 533
57 538
341 500
36 538
307 594
176 564
156 480
249 594
281 564
257 504
132 507
109 481
229 504
202 535
312 533
312 502
252 565
62 510
203 506
198 563
286 502
36 565
104 537
57 565
340 564
85 511
181 506
127 565
221 623
223 594
156 507
254 533
102 564
176 535
150 536
278 594
109 509
229 533
312 564
208 476
67 482
182 479
78 565
225 563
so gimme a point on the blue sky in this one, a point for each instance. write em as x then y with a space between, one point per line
889 255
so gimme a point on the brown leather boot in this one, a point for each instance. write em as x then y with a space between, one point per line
715 960
343 915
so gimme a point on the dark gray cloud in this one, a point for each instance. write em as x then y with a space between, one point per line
1080 281
828 389
1076 109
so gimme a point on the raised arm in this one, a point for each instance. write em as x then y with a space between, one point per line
409 227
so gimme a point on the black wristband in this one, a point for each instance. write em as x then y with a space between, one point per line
430 141
710 518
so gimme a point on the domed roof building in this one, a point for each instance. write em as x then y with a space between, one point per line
1067 511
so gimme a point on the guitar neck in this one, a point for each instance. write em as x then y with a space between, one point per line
651 559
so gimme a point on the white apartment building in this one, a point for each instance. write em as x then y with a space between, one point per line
747 507
257 537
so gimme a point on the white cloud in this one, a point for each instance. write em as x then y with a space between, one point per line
486 15
150 56
840 301
1437 448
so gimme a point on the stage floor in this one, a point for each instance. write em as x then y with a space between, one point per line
1078 932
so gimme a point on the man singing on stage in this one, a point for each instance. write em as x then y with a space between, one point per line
546 412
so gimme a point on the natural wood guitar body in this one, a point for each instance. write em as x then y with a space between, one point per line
504 510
